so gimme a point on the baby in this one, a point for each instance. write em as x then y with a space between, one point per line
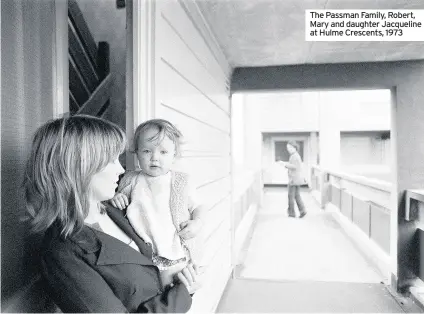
162 205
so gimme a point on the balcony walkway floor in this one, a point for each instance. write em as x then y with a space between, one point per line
305 265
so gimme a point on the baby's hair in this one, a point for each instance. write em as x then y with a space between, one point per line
65 155
165 128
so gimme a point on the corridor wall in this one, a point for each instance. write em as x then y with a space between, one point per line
26 102
405 79
191 89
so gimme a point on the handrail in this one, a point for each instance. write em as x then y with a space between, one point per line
90 80
77 19
97 103
246 192
243 180
373 183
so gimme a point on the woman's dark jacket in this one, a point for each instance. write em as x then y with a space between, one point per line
95 272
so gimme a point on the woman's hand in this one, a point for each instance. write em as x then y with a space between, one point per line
189 277
119 201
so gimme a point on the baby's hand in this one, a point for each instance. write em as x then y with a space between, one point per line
190 228
119 201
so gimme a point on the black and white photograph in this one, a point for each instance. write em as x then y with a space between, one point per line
212 156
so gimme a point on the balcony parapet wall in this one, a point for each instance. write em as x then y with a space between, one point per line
363 202
246 200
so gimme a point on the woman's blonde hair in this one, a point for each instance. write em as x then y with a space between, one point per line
65 155
165 128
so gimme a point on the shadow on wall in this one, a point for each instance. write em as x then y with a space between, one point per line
26 103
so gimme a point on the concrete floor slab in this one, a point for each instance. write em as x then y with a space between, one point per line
261 296
314 248
305 265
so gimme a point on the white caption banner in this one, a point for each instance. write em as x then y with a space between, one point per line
364 25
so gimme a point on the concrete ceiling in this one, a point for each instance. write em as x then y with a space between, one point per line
272 32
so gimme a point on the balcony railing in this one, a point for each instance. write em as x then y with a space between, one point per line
247 198
247 193
364 202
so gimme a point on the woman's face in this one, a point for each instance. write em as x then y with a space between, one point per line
103 184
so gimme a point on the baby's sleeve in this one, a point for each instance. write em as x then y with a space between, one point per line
193 198
126 183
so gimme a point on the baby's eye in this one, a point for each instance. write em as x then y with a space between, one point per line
163 152
145 151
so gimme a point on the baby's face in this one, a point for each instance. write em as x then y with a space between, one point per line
155 158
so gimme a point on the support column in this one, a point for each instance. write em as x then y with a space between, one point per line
329 131
312 155
314 148
140 73
407 173
329 138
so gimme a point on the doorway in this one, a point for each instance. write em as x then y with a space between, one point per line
281 153
97 58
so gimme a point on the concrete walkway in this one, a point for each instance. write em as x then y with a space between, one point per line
304 265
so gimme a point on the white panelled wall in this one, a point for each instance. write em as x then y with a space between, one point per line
190 86
247 185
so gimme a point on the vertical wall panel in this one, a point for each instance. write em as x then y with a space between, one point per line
361 214
191 91
380 226
335 196
346 204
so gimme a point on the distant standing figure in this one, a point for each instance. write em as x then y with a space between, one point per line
296 179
